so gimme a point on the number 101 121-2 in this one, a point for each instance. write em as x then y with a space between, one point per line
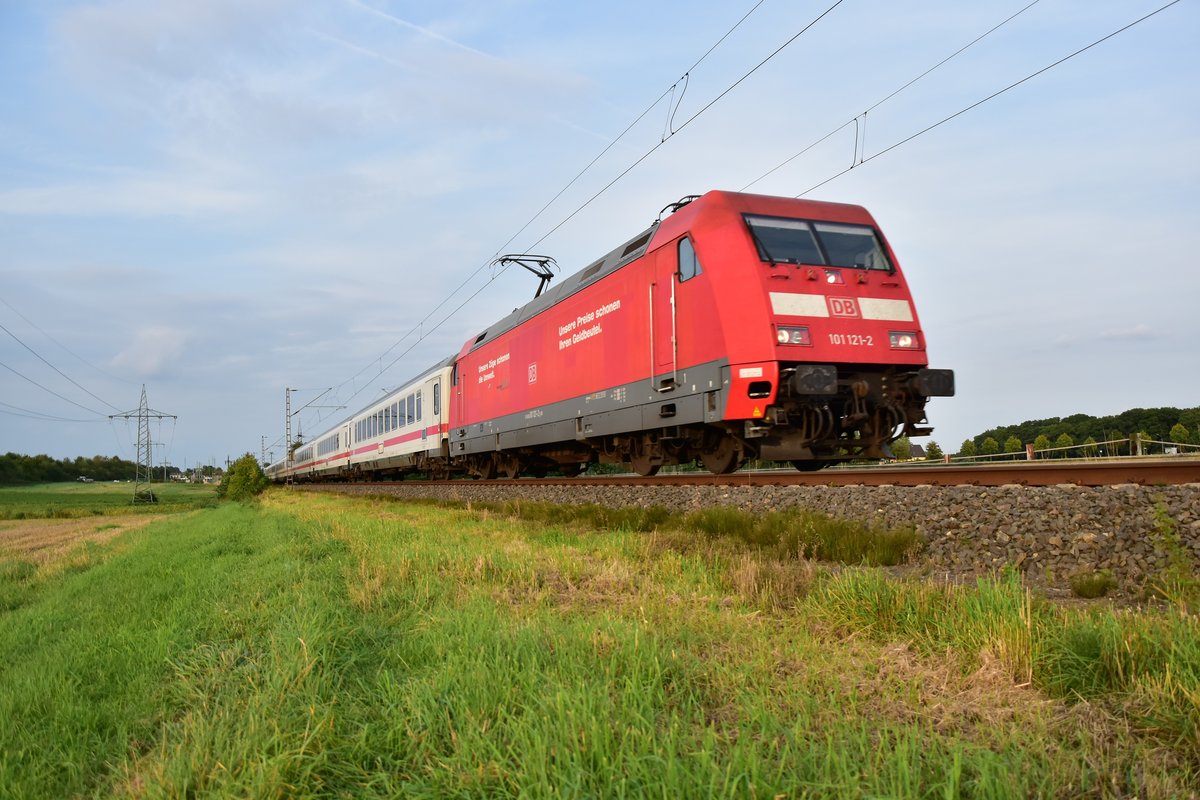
852 339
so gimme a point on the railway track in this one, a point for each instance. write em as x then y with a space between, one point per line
1139 471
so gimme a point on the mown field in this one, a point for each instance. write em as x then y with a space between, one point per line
322 646
78 500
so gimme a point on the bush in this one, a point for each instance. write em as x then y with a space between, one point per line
244 480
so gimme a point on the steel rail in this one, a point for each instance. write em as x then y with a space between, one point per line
1139 470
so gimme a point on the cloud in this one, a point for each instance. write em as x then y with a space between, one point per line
1139 331
151 350
417 28
150 196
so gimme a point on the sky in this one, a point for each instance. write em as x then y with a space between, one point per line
221 199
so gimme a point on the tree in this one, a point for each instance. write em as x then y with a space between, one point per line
990 447
1042 442
1179 434
244 480
902 449
1064 440
967 448
1089 447
933 452
1013 445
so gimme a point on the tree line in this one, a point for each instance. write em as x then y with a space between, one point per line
18 469
1160 424
1085 433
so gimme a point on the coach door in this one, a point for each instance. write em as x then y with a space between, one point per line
432 421
664 344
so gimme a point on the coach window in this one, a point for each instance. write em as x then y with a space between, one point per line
412 409
437 399
689 265
418 406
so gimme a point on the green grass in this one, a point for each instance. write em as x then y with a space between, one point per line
790 534
77 500
1092 584
319 646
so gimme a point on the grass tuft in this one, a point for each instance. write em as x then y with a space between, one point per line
807 533
1092 584
796 533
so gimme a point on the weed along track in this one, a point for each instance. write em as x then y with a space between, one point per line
1051 533
314 644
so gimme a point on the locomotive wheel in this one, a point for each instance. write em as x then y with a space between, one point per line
487 468
811 465
642 465
722 459
511 467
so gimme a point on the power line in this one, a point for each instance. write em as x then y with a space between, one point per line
60 344
667 93
56 369
992 96
686 122
877 104
30 414
419 327
51 391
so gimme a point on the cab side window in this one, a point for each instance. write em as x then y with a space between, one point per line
689 264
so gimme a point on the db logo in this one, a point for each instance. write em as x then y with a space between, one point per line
843 307
533 372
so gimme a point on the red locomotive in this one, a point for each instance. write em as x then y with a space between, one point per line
740 326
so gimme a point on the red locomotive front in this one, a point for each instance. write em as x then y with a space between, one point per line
741 326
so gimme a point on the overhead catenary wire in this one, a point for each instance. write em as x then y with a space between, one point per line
991 96
420 326
685 123
894 93
694 116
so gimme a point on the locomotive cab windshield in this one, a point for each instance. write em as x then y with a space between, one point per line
793 241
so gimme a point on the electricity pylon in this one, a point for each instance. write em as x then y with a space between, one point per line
142 492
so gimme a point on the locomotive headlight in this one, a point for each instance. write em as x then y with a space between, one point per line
792 335
903 340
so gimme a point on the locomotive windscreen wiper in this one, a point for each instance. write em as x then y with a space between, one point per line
762 247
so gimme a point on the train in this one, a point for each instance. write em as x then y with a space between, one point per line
736 327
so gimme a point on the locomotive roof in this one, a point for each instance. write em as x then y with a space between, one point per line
573 283
636 246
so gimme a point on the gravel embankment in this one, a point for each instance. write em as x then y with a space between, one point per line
1048 532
